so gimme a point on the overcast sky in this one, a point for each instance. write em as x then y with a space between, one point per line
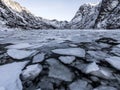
54 9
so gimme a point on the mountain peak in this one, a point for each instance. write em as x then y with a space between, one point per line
14 5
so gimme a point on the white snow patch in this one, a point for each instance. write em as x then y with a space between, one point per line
31 71
78 52
73 45
2 88
38 89
19 46
114 3
59 71
105 88
67 59
79 85
105 73
92 67
9 76
114 61
19 54
38 58
93 4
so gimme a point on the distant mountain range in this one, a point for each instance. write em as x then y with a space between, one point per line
105 15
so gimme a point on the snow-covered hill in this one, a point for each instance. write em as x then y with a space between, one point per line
13 15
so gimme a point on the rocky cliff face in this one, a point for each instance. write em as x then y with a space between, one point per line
13 15
85 17
109 15
105 15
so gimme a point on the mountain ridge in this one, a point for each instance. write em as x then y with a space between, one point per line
104 15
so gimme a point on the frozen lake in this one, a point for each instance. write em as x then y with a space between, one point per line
55 36
60 60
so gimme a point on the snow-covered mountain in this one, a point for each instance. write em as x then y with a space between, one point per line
105 15
13 15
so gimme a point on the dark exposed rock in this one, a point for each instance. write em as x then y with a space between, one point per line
4 59
107 40
116 50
